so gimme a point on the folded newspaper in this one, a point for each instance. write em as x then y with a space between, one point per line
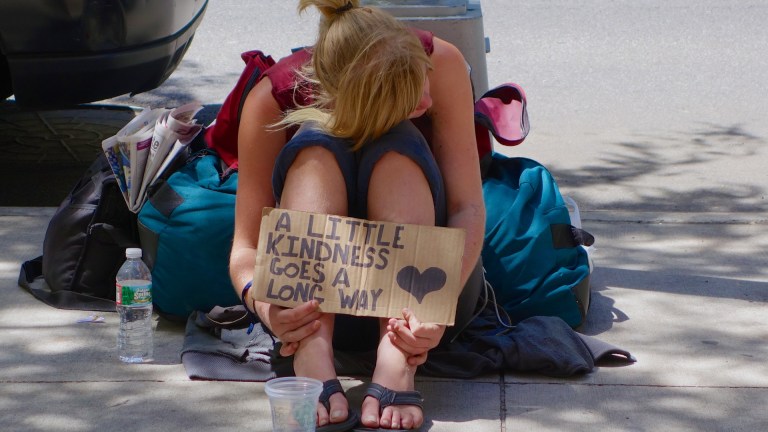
144 148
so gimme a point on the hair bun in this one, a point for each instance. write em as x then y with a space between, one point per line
342 9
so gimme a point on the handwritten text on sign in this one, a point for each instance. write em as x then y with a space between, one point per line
358 267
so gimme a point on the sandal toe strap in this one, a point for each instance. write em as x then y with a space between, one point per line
330 387
387 397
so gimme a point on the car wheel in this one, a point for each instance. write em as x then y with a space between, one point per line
6 89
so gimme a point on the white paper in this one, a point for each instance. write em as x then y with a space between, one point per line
141 151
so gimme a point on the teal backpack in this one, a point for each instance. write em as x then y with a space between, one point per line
533 255
186 228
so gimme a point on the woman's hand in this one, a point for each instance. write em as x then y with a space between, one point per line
291 326
414 337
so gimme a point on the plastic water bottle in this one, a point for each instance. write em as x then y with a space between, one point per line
134 304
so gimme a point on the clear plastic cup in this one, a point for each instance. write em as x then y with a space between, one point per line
294 403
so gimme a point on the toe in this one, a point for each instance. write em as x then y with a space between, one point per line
369 413
407 422
386 419
322 415
339 408
396 420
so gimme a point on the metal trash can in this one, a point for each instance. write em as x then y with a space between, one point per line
460 22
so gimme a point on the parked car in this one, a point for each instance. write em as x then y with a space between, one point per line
60 53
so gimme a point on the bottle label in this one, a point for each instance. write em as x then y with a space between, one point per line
134 295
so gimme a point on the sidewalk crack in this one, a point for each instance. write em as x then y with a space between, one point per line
502 403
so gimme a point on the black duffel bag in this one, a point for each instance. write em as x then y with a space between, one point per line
84 245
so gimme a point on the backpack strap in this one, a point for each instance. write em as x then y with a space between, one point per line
222 134
31 279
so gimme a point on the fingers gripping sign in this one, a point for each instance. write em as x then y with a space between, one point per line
291 326
414 337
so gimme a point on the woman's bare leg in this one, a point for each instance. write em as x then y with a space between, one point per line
398 192
315 183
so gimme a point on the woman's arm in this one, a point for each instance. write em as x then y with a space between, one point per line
258 147
455 148
257 150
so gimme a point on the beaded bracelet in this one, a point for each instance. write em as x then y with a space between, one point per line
244 293
251 314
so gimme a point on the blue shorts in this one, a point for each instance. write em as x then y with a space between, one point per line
357 166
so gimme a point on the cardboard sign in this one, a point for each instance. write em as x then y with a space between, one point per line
358 267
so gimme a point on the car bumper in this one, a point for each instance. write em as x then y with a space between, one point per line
55 80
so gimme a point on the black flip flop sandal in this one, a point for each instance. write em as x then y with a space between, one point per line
387 397
332 387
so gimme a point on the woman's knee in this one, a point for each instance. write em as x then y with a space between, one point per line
314 182
399 191
315 157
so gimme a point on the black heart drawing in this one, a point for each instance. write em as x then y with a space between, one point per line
420 284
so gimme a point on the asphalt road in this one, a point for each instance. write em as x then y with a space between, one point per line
630 103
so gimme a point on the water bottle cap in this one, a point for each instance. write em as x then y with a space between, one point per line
133 253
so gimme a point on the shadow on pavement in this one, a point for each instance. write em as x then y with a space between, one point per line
45 152
672 158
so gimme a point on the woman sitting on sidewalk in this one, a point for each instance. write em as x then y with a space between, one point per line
357 153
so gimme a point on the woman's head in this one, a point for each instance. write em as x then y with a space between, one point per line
370 69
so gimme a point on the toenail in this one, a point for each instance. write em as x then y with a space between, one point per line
337 414
370 419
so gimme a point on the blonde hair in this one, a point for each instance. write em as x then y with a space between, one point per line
367 69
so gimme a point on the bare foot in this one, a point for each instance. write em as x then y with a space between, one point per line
393 372
314 359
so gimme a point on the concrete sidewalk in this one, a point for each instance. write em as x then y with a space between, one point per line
685 295
651 115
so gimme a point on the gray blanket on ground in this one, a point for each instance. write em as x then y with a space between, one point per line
216 347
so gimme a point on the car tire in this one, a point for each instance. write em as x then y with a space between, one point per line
6 86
